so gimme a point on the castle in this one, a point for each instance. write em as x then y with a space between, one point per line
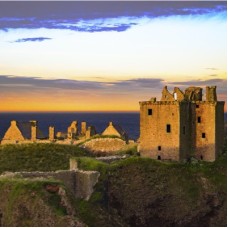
182 125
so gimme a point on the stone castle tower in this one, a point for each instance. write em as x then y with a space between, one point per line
182 125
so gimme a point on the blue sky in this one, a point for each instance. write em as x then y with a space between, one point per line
118 51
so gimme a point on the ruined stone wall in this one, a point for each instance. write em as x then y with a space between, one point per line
105 145
155 141
67 177
205 131
85 181
51 133
80 183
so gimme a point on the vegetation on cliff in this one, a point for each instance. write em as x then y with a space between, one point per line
131 192
144 192
36 203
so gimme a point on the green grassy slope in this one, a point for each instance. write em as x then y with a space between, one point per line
37 157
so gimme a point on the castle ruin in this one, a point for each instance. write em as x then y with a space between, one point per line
182 125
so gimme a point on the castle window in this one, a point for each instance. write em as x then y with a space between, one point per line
184 130
168 128
203 135
159 157
149 112
197 106
159 147
175 96
199 119
201 157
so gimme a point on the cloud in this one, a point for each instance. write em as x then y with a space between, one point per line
16 83
34 39
122 87
97 16
141 83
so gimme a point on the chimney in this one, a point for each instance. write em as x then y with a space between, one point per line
13 122
33 132
33 122
51 133
211 93
88 133
83 128
110 123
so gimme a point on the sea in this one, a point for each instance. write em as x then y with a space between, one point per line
129 121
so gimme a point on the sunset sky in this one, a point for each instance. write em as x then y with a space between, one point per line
107 56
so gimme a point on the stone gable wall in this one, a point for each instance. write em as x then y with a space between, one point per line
110 130
13 133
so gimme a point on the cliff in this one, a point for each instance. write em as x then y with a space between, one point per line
131 192
144 192
35 203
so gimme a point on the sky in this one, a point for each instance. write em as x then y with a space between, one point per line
108 55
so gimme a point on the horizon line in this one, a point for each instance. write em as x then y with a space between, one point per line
119 111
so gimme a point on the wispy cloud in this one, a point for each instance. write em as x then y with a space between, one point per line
16 82
25 83
97 16
9 82
33 39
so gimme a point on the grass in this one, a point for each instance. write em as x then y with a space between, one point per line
37 157
129 150
126 187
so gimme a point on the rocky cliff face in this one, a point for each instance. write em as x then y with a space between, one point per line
35 203
131 192
145 193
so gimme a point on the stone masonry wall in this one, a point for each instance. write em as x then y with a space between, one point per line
80 183
105 145
13 133
155 141
205 124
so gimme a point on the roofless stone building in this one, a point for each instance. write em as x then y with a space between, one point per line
182 125
22 132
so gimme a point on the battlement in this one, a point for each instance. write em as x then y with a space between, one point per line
191 94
